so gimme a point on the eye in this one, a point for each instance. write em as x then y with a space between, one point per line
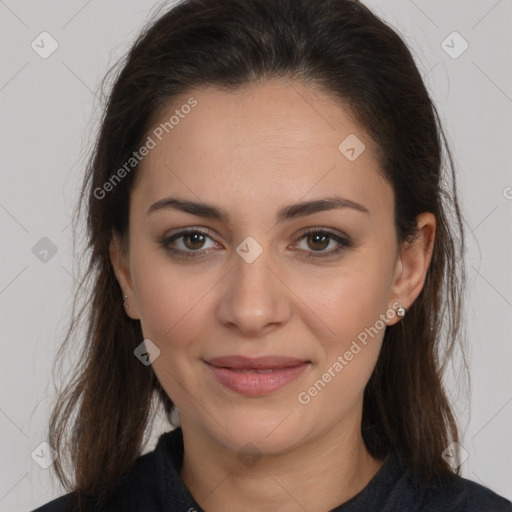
190 245
318 240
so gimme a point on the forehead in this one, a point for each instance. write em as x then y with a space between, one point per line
277 138
278 114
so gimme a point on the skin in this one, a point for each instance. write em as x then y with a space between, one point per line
252 152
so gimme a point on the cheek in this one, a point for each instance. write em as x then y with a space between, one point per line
353 312
349 299
352 302
172 306
169 299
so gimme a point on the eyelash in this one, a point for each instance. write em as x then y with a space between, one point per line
344 243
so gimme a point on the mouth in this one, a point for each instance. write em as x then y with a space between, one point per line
256 376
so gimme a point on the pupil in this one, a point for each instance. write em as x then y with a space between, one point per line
197 238
316 238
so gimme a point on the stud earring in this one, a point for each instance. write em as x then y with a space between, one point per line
400 311
124 300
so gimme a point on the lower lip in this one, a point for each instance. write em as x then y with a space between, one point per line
252 383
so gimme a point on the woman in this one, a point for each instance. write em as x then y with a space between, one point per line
273 265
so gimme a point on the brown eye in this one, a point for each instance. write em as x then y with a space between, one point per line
194 240
318 241
188 244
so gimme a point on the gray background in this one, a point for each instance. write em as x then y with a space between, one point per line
49 114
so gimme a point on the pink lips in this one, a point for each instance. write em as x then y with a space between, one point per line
256 376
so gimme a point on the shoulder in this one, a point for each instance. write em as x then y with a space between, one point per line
395 488
134 488
62 504
456 494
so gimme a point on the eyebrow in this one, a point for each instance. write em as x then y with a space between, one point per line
286 213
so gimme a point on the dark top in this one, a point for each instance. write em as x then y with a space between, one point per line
153 485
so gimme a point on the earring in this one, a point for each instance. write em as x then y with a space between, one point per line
400 311
124 300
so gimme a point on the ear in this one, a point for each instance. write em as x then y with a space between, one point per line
121 264
413 263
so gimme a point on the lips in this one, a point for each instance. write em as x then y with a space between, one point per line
267 363
256 376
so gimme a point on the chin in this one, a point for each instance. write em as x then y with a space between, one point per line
271 432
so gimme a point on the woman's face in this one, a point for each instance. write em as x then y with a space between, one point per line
249 285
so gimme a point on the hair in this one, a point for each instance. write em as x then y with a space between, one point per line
100 420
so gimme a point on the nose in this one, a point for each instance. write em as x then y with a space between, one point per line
255 301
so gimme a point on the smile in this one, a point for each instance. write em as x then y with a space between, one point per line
255 377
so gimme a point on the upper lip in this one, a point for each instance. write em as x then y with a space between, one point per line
257 363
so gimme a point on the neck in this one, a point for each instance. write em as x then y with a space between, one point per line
318 475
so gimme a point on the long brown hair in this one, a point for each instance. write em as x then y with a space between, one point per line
99 423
